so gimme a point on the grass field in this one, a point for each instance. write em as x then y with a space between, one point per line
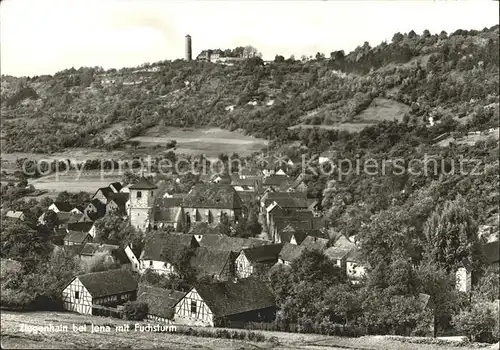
208 141
13 337
379 110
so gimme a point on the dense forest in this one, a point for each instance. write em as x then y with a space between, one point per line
433 75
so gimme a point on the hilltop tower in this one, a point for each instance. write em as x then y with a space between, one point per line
189 51
142 199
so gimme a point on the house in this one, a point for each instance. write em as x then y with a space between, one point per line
243 185
354 265
224 303
95 210
15 215
313 242
85 226
60 206
213 264
77 237
289 253
107 288
103 194
161 302
210 202
338 256
256 260
302 220
168 212
134 262
295 233
78 210
286 200
118 203
226 243
111 252
297 185
275 181
161 251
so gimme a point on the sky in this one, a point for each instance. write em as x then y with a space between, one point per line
43 37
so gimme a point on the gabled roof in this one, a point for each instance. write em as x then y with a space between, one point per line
290 252
311 242
120 198
107 192
63 206
233 244
229 298
210 262
80 226
73 249
168 202
220 196
342 241
77 237
237 181
116 185
143 184
91 249
204 228
265 253
169 244
336 253
100 210
161 302
111 282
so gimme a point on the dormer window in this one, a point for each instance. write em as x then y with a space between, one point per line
139 194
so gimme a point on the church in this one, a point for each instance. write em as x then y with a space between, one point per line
210 203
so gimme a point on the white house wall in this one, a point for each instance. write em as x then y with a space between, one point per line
82 304
203 316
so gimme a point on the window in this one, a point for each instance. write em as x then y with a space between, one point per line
151 263
152 194
139 194
77 295
193 307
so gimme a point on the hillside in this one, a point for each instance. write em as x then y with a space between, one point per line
410 79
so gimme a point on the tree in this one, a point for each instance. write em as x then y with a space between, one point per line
440 286
451 235
51 220
480 322
135 310
397 38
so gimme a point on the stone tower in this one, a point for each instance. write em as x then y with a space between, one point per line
142 199
189 51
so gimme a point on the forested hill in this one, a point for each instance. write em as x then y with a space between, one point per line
413 78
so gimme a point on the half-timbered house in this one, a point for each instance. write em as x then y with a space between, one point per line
77 237
218 304
107 288
213 264
161 302
256 260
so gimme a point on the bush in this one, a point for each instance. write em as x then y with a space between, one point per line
479 323
136 311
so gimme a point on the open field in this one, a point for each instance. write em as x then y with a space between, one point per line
208 141
379 110
13 337
470 139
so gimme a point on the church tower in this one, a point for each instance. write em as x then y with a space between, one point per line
142 199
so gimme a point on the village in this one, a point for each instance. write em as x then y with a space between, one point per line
232 268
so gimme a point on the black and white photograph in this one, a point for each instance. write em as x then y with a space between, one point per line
249 174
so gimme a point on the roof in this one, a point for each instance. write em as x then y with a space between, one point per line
290 252
107 192
80 226
233 244
300 230
204 228
343 242
263 253
91 249
14 214
63 206
210 262
491 252
76 236
229 298
161 302
312 242
100 210
120 198
168 243
167 214
275 180
168 202
220 196
116 185
111 282
143 184
336 253
73 249
237 181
